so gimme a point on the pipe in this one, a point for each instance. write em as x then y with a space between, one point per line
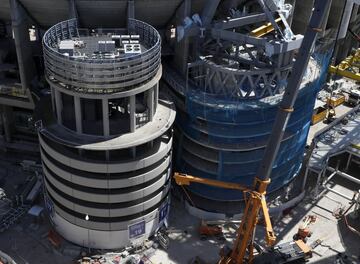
338 193
329 178
344 175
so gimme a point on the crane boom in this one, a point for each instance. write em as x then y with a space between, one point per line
244 239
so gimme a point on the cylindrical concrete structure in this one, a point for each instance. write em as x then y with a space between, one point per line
107 157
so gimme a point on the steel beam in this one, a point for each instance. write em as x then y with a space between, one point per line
338 193
241 21
237 37
344 175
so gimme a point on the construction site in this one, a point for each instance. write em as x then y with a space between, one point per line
179 131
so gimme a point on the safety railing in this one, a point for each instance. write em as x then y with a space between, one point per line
109 74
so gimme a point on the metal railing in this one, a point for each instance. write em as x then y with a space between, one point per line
113 74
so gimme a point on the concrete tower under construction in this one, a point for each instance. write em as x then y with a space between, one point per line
106 147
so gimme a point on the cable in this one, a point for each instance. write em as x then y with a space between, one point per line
188 196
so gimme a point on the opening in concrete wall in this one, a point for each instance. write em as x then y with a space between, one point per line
68 111
119 116
92 116
142 113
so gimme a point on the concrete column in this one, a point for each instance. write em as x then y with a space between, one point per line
132 113
72 9
150 102
6 118
302 15
131 9
78 114
344 23
182 47
335 13
349 41
59 106
105 112
52 92
20 27
325 21
156 96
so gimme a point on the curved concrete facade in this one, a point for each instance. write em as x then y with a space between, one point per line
106 154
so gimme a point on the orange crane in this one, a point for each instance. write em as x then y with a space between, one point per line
242 251
254 200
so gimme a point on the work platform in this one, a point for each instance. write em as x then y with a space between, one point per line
343 135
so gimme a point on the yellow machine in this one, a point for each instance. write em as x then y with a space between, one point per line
264 29
254 200
319 114
336 100
347 67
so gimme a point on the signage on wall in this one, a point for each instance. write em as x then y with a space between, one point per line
136 230
49 205
163 212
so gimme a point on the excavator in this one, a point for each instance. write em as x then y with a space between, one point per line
243 248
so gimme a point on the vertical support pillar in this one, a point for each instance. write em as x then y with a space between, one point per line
52 92
20 26
305 179
349 42
182 47
344 23
6 118
78 114
301 15
325 21
156 96
59 106
319 177
72 9
209 12
150 102
131 9
105 112
132 113
348 162
130 14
